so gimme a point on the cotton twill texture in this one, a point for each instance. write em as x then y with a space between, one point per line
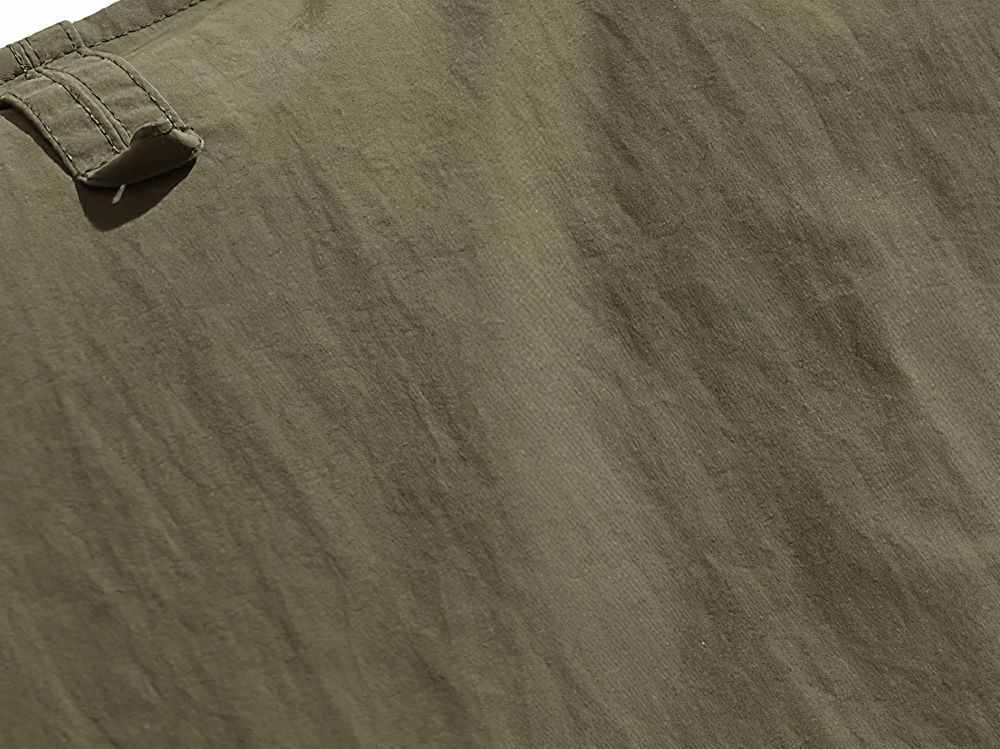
596 374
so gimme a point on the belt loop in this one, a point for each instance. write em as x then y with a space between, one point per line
73 34
107 123
20 56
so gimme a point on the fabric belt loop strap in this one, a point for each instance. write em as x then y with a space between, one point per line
109 126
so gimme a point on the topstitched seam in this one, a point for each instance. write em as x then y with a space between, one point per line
151 23
18 52
66 26
109 39
29 48
83 84
171 118
41 121
86 109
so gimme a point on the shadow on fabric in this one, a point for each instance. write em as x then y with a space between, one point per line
108 208
105 208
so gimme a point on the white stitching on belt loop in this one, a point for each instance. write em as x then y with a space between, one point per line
172 118
86 109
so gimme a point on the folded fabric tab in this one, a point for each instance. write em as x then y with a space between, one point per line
65 89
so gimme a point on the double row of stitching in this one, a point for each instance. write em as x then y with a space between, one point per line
100 126
31 52
72 34
191 4
74 38
83 84
40 49
20 50
65 87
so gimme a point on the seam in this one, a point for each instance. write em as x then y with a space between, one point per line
104 41
83 84
69 30
29 50
151 23
134 75
25 64
86 109
38 117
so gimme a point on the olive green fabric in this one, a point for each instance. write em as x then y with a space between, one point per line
106 123
507 374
